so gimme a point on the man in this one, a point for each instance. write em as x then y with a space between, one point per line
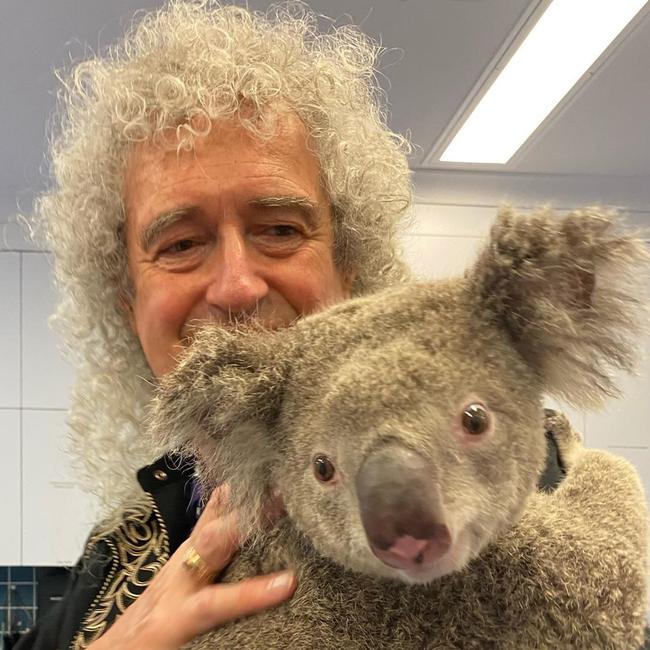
217 165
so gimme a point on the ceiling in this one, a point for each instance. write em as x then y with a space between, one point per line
596 147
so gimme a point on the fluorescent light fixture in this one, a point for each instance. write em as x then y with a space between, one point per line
564 43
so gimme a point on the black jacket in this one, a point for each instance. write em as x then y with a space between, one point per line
102 586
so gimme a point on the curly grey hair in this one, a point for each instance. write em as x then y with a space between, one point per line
181 68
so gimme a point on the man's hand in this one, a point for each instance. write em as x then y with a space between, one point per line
180 605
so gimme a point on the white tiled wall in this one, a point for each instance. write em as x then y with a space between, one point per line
50 495
435 256
41 358
44 515
10 330
10 503
625 422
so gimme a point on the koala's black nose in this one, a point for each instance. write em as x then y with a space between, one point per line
400 509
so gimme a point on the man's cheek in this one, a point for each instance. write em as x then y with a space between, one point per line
160 313
308 289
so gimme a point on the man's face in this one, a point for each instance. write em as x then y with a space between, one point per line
234 227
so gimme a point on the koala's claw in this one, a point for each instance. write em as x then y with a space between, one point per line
569 441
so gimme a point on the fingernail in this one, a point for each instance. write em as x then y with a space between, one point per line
280 581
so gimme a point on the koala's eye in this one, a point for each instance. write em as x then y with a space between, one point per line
475 419
324 468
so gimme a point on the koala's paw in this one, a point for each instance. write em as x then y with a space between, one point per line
569 441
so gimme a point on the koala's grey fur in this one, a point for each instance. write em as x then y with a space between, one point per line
382 381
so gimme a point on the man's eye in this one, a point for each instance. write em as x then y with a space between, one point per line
282 230
180 246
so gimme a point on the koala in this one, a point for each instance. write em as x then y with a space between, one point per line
404 432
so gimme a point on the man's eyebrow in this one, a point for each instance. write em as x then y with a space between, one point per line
308 207
149 234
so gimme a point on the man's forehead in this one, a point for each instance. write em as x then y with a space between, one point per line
155 168
283 133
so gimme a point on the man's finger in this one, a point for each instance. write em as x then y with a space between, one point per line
216 506
217 541
218 604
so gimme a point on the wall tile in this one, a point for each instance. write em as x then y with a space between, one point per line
624 421
456 220
640 458
439 257
21 619
10 486
22 595
452 220
57 516
46 376
15 236
10 330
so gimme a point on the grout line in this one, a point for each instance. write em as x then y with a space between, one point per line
495 204
20 370
33 408
22 250
444 236
627 447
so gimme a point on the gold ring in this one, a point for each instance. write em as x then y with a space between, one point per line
194 563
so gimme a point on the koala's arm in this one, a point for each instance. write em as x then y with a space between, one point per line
605 495
596 482
585 548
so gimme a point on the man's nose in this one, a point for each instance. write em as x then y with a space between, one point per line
236 286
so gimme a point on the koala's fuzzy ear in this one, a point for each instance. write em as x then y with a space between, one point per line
570 292
226 379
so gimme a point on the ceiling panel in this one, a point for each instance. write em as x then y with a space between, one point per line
605 129
436 50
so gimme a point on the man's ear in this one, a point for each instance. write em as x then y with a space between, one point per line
570 293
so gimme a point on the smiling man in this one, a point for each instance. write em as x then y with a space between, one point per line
216 165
